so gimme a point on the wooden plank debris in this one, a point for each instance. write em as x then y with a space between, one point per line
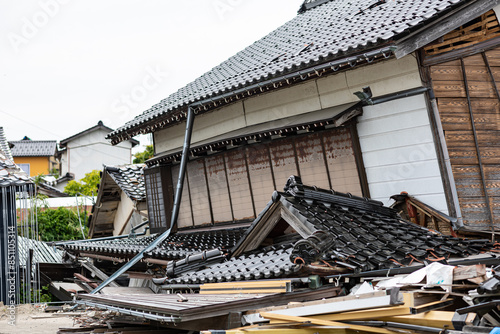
254 287
315 321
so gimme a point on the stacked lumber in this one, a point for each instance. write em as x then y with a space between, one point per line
436 298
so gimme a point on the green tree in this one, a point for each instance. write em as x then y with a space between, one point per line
141 157
61 224
86 186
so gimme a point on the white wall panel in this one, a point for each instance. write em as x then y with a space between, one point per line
399 153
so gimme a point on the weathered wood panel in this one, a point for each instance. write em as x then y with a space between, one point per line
219 190
476 214
239 185
199 193
455 114
469 183
284 161
453 106
260 173
341 162
185 218
311 160
455 88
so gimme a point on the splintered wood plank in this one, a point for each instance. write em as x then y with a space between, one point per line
480 29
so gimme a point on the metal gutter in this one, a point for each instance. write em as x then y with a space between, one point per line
124 236
399 95
140 314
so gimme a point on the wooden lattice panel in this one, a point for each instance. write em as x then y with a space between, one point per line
482 28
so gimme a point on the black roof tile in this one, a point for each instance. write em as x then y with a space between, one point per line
348 231
34 148
130 178
323 31
177 246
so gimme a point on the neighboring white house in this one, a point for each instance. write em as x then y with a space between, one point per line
89 150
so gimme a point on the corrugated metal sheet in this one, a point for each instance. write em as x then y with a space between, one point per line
42 252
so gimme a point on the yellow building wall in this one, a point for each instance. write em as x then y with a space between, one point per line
38 165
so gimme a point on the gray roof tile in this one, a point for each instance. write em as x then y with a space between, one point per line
4 145
34 148
130 178
10 173
331 29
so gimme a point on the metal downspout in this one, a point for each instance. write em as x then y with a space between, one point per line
175 209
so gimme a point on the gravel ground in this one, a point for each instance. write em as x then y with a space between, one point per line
26 321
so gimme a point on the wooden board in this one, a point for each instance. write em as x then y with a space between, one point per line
453 106
219 189
248 287
239 185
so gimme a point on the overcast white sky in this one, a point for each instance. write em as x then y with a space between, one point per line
66 64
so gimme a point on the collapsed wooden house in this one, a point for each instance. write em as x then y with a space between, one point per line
366 99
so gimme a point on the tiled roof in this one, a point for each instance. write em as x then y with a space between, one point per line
323 31
34 148
177 246
340 230
270 262
130 178
11 174
4 145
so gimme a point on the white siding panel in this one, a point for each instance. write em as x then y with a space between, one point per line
381 141
399 153
403 171
390 123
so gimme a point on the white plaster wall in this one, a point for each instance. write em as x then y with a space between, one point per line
91 151
399 153
125 206
384 78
